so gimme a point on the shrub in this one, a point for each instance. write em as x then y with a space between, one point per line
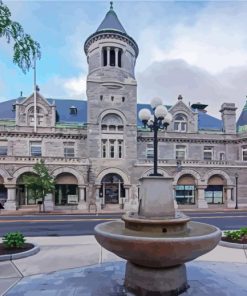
236 234
13 240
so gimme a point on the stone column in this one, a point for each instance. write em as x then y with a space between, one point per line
99 200
174 197
202 203
229 198
116 57
108 57
82 205
10 204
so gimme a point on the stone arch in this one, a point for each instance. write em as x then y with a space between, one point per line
29 107
21 171
160 171
4 173
111 111
72 171
193 173
221 173
112 171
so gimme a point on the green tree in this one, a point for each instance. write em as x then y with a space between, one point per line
41 183
25 48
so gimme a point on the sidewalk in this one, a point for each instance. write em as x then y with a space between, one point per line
58 270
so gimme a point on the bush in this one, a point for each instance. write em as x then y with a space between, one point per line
13 240
236 234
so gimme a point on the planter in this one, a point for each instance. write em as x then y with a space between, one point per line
17 253
231 243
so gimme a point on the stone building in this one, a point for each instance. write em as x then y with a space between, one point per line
97 150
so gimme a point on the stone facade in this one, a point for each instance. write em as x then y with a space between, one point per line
100 163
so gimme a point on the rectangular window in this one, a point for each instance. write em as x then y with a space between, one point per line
222 156
35 148
180 152
208 153
3 148
185 194
69 149
112 148
120 149
244 153
150 151
104 143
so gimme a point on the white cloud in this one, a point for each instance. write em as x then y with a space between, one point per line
168 79
60 87
215 41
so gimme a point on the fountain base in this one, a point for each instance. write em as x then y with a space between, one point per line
146 281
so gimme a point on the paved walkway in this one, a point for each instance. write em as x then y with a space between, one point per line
62 268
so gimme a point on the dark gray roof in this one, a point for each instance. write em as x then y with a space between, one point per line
205 121
111 22
208 122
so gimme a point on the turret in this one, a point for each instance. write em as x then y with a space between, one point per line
111 47
111 91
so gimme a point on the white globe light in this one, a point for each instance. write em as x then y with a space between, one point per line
144 114
168 118
151 120
160 112
156 102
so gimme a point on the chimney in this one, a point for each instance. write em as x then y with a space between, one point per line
228 115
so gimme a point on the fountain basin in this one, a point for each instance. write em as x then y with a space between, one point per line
157 250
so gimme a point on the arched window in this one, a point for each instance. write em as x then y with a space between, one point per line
104 57
112 57
39 116
120 58
180 123
112 146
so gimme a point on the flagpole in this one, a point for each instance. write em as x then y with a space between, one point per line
35 95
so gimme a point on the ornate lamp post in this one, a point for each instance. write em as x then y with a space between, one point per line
159 120
236 181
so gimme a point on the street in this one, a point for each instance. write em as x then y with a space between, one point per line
83 224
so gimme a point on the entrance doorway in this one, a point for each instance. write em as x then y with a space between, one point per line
112 189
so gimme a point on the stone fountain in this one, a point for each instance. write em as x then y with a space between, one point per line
157 241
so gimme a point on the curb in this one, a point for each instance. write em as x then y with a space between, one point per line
232 245
25 254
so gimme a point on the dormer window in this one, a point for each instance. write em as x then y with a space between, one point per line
72 110
39 116
13 107
180 123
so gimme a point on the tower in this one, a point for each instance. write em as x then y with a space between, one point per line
111 91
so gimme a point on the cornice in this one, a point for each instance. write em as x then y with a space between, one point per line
41 136
113 35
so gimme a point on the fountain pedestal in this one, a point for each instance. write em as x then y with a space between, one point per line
163 282
157 241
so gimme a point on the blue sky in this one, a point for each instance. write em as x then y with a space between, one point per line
196 48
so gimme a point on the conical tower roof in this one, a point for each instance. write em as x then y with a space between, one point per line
111 25
111 22
242 120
